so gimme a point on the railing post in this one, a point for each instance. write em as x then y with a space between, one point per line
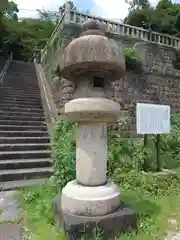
71 16
6 66
67 12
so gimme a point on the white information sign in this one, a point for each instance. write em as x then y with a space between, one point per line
152 118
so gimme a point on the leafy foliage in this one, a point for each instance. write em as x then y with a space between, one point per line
123 153
138 4
154 196
47 15
164 18
32 32
11 11
63 146
70 4
131 59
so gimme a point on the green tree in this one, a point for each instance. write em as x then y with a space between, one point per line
32 32
70 4
138 4
164 18
47 15
11 11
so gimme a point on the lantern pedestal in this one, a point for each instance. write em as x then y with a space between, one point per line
91 199
92 62
120 221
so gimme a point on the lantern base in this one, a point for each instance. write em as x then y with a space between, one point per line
90 200
122 220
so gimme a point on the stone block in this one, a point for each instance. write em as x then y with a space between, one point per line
122 220
11 231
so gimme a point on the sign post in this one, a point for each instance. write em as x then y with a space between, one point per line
153 119
158 160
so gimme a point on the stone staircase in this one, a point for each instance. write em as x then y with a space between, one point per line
24 140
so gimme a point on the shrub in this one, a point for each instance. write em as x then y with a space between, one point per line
170 144
146 193
151 183
64 152
123 153
131 59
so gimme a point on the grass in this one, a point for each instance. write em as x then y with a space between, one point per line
37 212
154 206
154 214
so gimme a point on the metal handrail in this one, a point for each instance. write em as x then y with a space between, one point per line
6 66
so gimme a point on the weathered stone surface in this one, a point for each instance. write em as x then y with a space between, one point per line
9 216
11 231
9 207
162 84
172 233
172 236
90 201
92 110
157 83
91 163
92 52
124 219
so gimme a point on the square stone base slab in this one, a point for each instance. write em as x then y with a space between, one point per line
11 232
121 221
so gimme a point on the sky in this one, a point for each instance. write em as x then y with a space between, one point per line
111 9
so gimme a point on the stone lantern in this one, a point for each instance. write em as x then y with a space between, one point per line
92 62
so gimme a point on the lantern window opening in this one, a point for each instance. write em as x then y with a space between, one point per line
98 82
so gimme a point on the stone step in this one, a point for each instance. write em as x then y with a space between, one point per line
25 154
24 147
20 80
24 75
20 104
22 174
22 123
22 118
10 185
10 84
25 163
23 89
21 73
18 93
22 140
22 128
24 134
18 96
29 114
17 99
20 109
20 85
11 231
15 90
